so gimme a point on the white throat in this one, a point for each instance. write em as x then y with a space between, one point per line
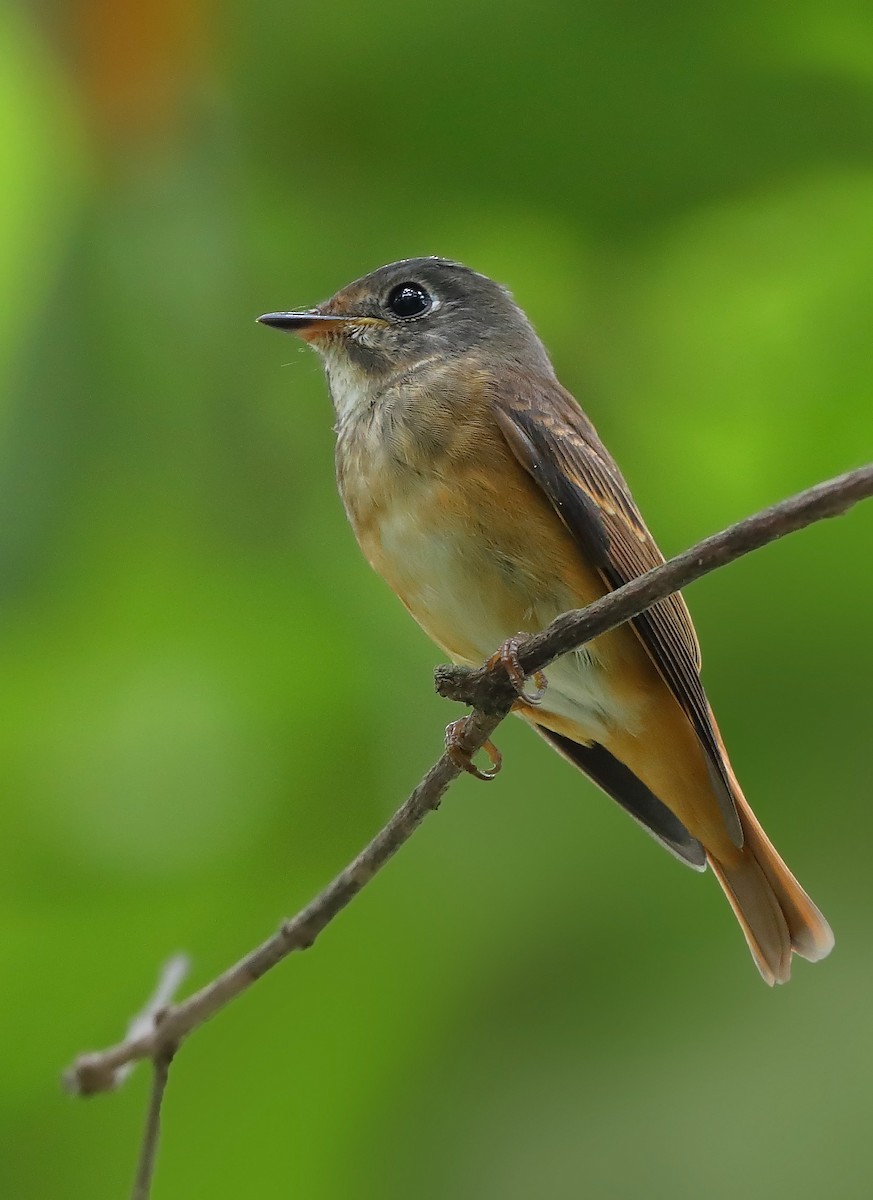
350 388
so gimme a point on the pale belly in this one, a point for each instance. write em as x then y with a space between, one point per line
470 595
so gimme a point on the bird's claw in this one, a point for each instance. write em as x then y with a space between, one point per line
507 657
461 756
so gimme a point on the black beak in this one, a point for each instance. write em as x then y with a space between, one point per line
294 322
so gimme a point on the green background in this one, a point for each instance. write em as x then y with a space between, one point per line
208 702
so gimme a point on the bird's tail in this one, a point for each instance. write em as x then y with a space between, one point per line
776 915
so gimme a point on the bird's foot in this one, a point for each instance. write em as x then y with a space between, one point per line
461 756
507 657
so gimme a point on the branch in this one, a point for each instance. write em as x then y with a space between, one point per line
489 690
492 695
145 1168
92 1073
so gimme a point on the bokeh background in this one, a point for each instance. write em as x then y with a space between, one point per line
208 702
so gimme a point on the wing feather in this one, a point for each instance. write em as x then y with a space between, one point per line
558 446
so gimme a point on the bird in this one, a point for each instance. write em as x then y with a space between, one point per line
481 492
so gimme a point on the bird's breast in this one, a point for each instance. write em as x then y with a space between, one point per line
473 550
427 524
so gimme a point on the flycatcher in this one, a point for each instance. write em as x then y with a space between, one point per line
482 494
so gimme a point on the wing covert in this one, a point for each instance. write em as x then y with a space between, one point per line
558 446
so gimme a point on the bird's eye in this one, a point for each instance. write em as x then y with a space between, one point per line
408 300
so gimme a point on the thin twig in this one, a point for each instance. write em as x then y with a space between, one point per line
145 1169
99 1071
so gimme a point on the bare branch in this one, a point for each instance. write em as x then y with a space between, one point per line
98 1072
142 1184
492 695
489 689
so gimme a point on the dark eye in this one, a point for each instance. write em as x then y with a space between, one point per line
408 300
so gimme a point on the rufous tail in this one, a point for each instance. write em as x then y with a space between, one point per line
777 916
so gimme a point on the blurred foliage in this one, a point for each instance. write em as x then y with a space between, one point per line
208 701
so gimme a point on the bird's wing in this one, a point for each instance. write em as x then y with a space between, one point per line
619 782
558 446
